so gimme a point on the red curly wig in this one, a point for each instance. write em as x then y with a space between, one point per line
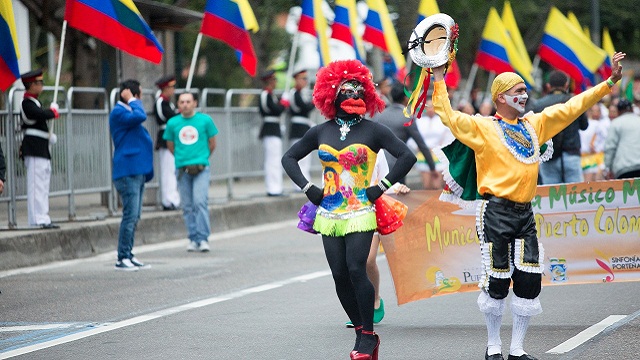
329 79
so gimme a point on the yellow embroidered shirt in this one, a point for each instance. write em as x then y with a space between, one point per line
500 173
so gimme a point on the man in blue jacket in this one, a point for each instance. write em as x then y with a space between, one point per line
132 166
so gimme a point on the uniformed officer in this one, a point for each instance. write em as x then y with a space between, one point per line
300 108
35 149
164 110
270 134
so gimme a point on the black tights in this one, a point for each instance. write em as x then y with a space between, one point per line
347 257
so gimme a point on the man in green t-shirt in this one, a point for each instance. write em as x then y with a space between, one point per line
190 137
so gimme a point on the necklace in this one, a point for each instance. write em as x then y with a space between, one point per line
345 126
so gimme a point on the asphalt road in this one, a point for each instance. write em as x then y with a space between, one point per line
266 292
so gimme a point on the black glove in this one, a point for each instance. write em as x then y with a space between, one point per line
315 195
373 193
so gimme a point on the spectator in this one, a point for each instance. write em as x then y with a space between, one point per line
435 135
35 149
565 165
622 146
132 167
393 118
383 86
191 139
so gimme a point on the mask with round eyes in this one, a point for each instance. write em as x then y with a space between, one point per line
350 100
434 40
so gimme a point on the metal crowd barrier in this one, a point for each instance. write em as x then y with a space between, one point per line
82 156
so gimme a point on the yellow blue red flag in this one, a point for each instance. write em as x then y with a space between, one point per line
566 48
509 21
314 23
497 52
117 23
9 52
379 31
427 8
345 26
230 22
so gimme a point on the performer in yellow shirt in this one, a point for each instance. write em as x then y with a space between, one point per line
507 156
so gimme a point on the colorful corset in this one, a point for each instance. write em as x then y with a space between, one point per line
345 207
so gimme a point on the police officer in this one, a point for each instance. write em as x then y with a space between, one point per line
35 149
270 134
164 110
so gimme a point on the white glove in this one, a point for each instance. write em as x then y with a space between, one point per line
55 106
286 96
53 139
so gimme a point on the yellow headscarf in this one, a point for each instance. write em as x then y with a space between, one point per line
504 82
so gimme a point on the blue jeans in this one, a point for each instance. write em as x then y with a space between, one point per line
194 198
130 189
551 171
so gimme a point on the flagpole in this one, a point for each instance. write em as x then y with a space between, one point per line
470 80
535 69
292 59
59 67
492 75
196 50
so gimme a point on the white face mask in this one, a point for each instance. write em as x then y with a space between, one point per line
514 101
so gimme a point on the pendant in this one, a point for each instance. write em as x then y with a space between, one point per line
344 130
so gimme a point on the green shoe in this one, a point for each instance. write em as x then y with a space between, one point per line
349 324
378 313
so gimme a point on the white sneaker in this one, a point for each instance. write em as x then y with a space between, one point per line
134 260
193 246
125 265
204 246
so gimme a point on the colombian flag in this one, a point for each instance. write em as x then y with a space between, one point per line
426 9
509 21
230 22
566 48
9 50
117 23
313 23
497 52
607 46
345 26
379 31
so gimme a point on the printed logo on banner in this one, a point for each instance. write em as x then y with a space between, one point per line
605 265
558 269
442 283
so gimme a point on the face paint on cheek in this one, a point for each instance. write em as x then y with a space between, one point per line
514 101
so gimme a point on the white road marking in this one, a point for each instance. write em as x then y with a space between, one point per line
586 334
106 327
36 327
151 247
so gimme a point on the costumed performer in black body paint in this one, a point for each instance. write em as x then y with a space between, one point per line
347 145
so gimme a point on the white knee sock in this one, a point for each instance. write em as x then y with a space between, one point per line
494 344
520 325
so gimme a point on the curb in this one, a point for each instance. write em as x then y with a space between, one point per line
85 239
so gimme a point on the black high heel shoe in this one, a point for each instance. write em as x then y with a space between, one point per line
372 356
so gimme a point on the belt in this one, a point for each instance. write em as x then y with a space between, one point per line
507 203
272 119
37 133
300 120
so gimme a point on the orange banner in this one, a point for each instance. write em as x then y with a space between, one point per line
590 233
